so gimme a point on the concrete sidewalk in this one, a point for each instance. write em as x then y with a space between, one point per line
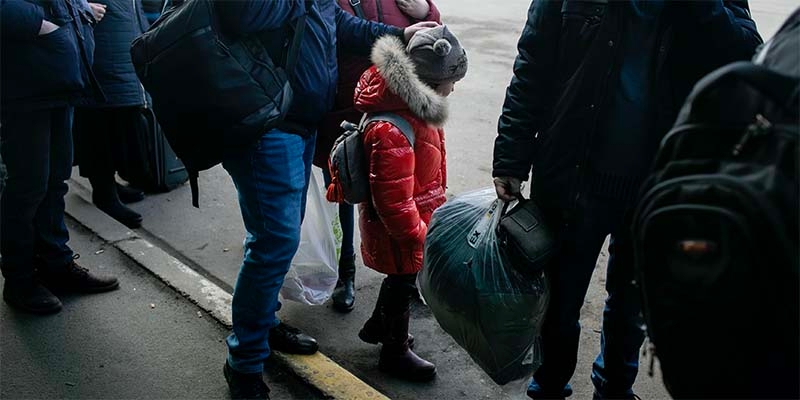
143 341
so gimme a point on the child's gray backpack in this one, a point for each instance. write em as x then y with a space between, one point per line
348 163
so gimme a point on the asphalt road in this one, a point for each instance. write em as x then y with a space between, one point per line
143 341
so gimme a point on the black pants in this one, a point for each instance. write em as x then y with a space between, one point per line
100 135
37 150
614 371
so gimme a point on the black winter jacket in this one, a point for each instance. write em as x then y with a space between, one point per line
123 22
40 72
568 54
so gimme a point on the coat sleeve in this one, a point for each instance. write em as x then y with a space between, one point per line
391 180
358 35
727 26
250 16
433 14
20 19
529 96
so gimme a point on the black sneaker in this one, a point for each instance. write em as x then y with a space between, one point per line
290 340
245 386
77 279
31 297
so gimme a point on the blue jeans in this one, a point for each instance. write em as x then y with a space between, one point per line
615 369
347 220
271 178
37 150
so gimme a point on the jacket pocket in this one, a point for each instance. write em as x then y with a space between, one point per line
580 22
52 65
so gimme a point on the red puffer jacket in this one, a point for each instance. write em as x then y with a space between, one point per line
407 184
351 67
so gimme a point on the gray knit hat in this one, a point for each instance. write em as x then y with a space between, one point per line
437 55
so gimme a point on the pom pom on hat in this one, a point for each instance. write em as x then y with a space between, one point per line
442 47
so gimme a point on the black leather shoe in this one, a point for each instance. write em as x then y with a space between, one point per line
245 386
128 195
31 297
76 279
290 340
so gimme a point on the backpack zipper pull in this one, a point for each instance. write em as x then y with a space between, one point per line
760 127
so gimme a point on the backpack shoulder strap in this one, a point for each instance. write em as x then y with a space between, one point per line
356 4
394 119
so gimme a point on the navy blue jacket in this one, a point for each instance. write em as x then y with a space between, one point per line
569 57
39 72
314 79
124 21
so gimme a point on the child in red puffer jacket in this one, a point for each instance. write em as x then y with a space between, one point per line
407 184
400 13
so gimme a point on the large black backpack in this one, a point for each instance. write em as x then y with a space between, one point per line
215 94
716 234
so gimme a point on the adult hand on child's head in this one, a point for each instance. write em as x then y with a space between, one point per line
507 187
411 30
417 9
98 10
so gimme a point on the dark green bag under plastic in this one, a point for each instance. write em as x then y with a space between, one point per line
477 296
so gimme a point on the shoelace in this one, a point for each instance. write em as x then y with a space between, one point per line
77 268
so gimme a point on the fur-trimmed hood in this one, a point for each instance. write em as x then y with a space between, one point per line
392 84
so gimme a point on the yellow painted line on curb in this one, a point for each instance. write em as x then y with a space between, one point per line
319 371
329 377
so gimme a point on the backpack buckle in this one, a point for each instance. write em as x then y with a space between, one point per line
355 3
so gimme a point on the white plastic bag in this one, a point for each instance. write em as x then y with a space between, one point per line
314 271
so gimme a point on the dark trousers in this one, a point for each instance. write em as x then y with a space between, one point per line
582 237
100 139
37 150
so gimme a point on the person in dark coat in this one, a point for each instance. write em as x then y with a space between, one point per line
400 13
45 70
272 176
101 127
596 86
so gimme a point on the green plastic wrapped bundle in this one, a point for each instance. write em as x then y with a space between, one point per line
478 298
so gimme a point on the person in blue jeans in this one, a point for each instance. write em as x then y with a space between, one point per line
596 86
272 176
45 70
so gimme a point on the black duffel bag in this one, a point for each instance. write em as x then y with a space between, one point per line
213 94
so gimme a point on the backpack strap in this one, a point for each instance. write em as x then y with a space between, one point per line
356 4
393 119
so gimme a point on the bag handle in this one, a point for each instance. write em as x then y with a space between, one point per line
520 199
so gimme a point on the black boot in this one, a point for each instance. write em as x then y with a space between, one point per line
397 359
344 296
30 296
128 195
105 197
245 386
373 331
